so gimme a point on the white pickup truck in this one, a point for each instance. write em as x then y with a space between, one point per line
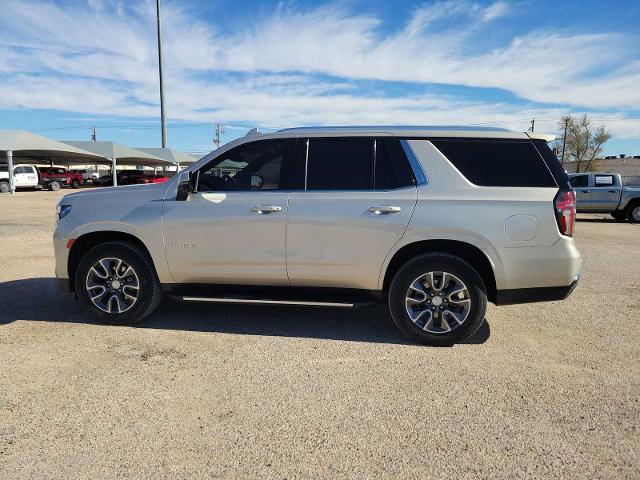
604 192
25 176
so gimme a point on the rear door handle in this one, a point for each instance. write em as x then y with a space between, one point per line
260 209
613 191
384 209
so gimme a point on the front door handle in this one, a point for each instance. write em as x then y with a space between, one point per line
384 209
613 191
260 209
585 191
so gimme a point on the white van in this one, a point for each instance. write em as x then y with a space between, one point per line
25 176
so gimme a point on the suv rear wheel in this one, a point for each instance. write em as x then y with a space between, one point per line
437 299
4 187
117 283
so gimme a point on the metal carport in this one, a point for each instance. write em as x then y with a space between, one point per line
171 155
38 149
119 154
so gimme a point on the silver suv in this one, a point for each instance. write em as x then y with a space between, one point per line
434 221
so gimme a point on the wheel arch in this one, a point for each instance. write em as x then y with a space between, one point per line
468 252
86 242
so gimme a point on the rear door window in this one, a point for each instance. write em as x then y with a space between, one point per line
496 163
340 164
603 181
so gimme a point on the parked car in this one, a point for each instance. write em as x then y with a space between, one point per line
434 222
604 192
152 179
56 177
125 177
87 175
25 176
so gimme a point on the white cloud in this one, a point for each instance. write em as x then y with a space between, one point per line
293 67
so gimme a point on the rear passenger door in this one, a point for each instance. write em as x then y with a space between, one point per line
359 196
580 183
605 194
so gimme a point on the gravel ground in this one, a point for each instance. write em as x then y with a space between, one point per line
543 390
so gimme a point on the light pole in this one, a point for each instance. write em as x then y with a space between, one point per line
163 119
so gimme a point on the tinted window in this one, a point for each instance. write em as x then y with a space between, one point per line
252 166
553 163
340 164
392 169
4 168
497 163
579 181
603 180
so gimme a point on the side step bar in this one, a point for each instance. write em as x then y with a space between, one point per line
268 295
266 302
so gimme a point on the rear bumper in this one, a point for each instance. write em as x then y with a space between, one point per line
539 294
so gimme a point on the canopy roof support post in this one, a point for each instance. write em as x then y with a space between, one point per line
12 180
114 171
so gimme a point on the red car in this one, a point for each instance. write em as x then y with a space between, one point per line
152 179
52 175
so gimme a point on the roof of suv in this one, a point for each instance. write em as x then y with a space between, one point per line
417 131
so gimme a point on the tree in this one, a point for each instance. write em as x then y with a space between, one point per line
583 144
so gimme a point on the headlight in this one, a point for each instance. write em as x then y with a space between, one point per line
63 211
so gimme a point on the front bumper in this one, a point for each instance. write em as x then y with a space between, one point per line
539 294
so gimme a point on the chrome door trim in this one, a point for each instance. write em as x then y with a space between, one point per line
421 177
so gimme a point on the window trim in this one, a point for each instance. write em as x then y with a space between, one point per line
415 169
419 174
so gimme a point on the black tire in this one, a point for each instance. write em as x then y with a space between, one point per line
437 262
618 215
4 187
150 290
54 186
75 183
633 212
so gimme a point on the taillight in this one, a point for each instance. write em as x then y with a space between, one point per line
565 208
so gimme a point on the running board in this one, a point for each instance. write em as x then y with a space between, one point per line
271 295
267 302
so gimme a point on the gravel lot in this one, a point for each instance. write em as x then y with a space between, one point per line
543 390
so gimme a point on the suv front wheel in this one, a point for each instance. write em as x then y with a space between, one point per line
437 299
117 283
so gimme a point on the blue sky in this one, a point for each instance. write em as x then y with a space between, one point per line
68 65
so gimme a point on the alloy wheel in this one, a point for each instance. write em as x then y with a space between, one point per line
113 285
438 302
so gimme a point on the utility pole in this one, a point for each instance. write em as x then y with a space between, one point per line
93 133
533 124
163 119
219 131
564 138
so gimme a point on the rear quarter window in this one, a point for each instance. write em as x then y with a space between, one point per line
495 163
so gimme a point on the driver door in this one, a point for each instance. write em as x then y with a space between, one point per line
231 229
